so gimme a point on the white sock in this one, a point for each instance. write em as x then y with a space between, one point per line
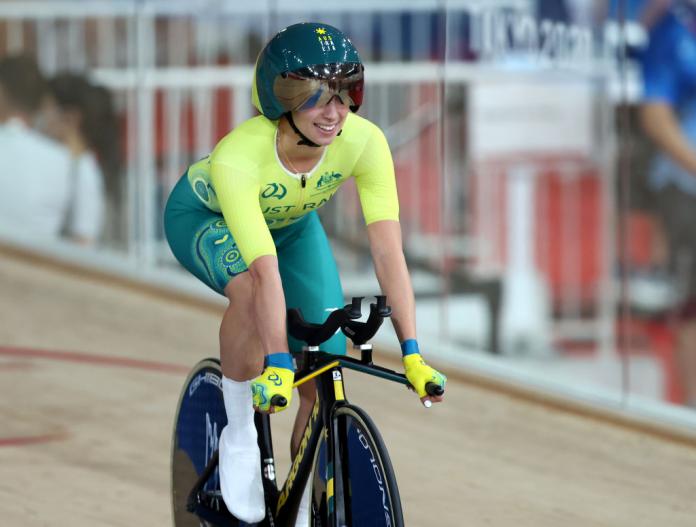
240 459
303 510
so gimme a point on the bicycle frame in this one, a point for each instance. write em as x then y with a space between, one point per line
290 495
282 505
327 370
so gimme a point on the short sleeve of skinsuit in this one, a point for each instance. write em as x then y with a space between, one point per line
375 180
236 178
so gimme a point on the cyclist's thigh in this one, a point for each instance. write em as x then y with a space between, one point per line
200 239
310 276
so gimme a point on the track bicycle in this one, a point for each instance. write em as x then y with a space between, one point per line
341 455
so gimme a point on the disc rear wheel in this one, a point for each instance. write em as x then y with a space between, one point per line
199 420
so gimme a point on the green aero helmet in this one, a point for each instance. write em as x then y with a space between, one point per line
306 65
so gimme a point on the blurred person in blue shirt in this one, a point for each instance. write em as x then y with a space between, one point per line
34 177
668 117
630 10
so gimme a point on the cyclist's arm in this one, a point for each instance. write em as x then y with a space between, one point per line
235 179
393 276
395 282
374 177
660 123
269 304
376 183
238 194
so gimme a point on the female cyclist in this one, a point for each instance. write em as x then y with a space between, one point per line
244 221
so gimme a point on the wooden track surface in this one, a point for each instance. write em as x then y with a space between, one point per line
90 375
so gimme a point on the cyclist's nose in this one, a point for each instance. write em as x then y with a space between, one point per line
331 108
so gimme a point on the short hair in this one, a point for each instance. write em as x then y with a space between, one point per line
22 82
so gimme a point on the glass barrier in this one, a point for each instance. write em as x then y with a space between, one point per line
544 215
656 189
528 201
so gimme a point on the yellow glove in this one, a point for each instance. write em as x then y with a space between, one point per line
277 379
419 374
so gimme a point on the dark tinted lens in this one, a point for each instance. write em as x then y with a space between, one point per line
355 92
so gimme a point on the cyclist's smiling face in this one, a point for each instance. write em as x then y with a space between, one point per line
321 124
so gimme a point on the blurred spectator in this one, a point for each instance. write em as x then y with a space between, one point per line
81 116
651 11
34 178
668 116
627 10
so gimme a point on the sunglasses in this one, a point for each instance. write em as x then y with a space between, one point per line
318 85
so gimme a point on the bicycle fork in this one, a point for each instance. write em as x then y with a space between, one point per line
334 394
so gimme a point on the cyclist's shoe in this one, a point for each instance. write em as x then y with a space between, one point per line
419 374
240 478
275 382
240 458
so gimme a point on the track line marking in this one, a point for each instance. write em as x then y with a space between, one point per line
32 440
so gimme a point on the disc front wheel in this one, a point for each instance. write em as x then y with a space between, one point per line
366 492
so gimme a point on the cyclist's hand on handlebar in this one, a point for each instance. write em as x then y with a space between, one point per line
272 390
427 382
420 375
